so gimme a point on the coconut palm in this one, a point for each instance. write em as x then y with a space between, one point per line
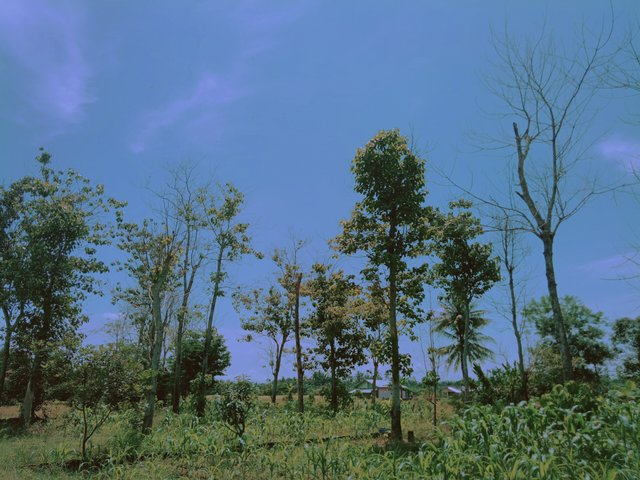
450 324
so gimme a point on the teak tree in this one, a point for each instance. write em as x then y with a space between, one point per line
389 225
269 315
230 241
466 269
334 325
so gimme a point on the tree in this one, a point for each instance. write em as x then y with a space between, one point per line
230 241
51 232
626 333
452 324
583 332
510 259
14 299
389 225
333 324
374 311
103 379
188 217
271 316
192 353
466 269
291 281
236 401
153 251
548 91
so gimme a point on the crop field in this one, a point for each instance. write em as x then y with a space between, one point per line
558 436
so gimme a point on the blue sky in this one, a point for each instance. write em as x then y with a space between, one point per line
275 97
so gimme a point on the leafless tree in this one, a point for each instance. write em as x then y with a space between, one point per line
548 91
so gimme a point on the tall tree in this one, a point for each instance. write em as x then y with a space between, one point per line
51 231
188 217
548 91
230 242
466 268
510 257
290 279
269 315
334 325
389 225
14 300
153 251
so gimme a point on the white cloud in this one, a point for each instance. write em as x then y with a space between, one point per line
623 151
44 43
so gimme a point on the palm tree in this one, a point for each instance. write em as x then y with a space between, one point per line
450 324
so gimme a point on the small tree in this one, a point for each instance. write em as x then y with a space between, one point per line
192 353
270 316
103 379
389 225
333 324
583 331
626 334
236 401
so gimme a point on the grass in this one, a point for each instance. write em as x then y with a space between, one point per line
555 437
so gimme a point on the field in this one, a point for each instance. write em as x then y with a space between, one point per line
559 436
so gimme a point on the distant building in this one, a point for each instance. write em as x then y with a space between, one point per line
452 391
383 390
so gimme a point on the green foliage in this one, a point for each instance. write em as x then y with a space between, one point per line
50 234
236 401
192 353
450 324
584 333
499 386
626 335
103 379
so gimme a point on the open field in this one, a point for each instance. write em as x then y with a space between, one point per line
555 437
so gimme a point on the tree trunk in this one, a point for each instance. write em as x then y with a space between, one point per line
201 400
299 365
396 425
558 318
374 382
156 352
334 383
177 365
5 355
276 371
465 352
524 392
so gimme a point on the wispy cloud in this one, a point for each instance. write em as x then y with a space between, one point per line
623 151
202 101
615 267
200 107
43 42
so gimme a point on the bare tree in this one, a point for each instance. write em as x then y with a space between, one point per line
548 92
511 255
